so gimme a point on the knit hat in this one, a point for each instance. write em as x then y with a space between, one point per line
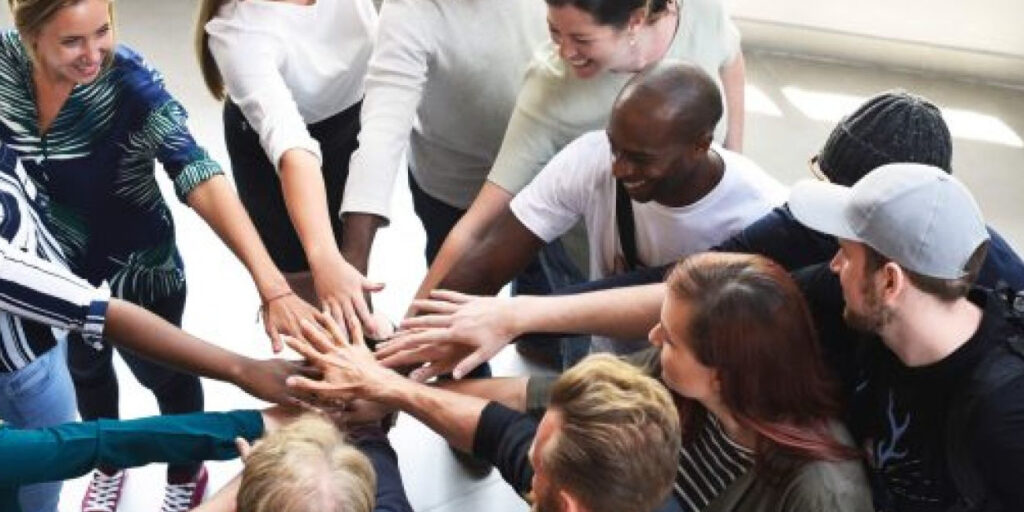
891 127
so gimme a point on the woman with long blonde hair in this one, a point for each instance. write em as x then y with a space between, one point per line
87 119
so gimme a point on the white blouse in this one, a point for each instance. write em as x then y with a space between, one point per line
288 65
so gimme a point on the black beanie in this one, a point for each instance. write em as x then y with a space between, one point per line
891 127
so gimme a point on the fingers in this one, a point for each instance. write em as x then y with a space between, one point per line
435 306
451 296
411 341
338 335
334 309
371 286
426 321
316 336
427 372
312 355
354 321
317 389
243 446
275 338
469 363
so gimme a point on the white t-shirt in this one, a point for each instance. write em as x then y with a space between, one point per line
287 65
555 106
578 183
442 82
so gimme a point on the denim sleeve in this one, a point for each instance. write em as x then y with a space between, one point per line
503 438
1002 264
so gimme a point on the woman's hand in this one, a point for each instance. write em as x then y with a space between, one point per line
455 332
281 315
343 290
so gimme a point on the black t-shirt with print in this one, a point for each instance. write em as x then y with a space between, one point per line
899 414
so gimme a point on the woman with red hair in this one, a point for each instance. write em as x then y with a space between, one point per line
757 403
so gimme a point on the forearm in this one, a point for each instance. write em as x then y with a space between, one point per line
216 202
142 332
306 200
734 83
623 313
488 205
358 233
452 415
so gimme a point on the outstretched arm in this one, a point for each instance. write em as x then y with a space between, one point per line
467 233
71 449
458 332
216 202
733 77
505 250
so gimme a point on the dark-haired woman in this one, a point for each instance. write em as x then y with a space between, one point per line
596 46
739 349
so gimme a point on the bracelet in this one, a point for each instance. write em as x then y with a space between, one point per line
263 307
278 296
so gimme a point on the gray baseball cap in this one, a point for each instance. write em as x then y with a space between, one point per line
916 215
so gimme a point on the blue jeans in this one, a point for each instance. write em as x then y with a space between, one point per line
39 395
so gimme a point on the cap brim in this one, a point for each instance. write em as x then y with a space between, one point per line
822 207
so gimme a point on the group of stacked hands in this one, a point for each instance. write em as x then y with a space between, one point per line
857 346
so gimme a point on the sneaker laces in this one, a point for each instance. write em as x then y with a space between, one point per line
104 492
178 497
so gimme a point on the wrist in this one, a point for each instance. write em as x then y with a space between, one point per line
392 390
322 258
272 286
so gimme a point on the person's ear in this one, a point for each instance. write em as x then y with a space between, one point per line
569 504
636 21
891 281
703 142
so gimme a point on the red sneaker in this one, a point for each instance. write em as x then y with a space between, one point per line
104 491
188 495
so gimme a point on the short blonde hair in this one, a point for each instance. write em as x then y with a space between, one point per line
617 446
307 467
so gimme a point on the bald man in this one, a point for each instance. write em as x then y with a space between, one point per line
681 193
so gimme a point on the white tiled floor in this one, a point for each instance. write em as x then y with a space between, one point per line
780 136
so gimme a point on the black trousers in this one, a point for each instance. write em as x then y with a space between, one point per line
96 383
259 187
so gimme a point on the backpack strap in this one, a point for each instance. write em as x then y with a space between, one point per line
1002 365
627 230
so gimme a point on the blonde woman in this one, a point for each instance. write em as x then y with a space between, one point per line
88 118
291 73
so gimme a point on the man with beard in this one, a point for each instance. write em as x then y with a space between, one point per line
939 401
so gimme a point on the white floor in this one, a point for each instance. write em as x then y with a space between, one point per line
792 105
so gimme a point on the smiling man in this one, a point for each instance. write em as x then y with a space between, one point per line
684 193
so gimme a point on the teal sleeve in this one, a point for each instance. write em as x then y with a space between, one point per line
72 449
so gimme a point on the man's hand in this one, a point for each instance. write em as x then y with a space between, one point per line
455 332
349 370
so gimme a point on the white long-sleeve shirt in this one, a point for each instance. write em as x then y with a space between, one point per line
288 65
442 82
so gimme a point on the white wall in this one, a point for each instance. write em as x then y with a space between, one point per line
991 26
